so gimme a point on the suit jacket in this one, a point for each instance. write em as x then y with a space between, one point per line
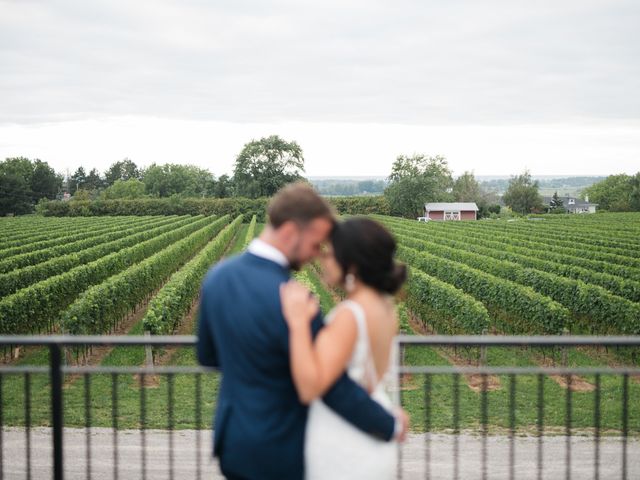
259 420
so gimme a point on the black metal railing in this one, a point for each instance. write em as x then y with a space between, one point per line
471 350
108 421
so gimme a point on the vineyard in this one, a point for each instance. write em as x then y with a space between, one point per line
527 277
130 275
87 276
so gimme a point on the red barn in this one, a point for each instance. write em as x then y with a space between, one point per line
451 211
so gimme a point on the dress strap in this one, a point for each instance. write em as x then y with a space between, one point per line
358 312
361 319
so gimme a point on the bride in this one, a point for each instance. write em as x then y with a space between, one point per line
358 337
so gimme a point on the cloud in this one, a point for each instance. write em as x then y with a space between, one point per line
402 62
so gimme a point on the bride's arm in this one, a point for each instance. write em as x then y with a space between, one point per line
315 366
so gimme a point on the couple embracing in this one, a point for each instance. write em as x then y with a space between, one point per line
303 396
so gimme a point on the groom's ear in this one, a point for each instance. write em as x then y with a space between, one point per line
288 232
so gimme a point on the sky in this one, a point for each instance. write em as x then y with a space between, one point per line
494 86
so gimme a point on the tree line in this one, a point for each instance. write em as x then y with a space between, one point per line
419 179
263 166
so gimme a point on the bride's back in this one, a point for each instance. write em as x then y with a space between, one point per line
382 326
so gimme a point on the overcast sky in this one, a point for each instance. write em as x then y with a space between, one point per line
495 87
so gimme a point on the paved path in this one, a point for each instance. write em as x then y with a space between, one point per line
413 455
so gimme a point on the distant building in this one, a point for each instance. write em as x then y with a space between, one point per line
451 211
573 204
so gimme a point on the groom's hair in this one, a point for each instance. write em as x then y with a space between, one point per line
300 203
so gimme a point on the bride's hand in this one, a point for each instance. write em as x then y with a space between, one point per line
299 306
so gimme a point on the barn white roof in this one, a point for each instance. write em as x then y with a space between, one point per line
455 207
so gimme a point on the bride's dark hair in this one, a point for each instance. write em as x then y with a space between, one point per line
366 248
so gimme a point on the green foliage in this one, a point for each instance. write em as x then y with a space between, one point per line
266 165
467 189
173 301
360 205
607 313
77 181
589 256
46 243
130 189
173 179
200 206
616 193
15 197
634 195
600 303
36 308
527 310
251 232
24 182
491 246
88 251
223 187
122 170
93 181
100 308
45 183
416 180
556 205
444 307
522 194
160 206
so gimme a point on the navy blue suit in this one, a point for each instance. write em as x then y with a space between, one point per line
259 421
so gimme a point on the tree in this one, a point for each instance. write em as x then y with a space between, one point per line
223 188
20 166
45 182
634 194
522 194
15 197
467 189
614 193
132 188
25 182
122 170
184 180
94 181
415 180
77 181
556 205
266 165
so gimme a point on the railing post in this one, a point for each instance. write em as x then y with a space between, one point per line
565 362
55 361
483 350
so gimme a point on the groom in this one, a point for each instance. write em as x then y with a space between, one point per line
260 422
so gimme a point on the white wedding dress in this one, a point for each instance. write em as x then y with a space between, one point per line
335 449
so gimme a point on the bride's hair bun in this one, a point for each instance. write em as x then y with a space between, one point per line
365 247
395 278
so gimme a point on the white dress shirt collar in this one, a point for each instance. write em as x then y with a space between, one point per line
262 249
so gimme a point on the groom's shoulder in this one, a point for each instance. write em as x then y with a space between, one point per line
224 268
244 267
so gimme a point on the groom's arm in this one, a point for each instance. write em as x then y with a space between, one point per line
353 403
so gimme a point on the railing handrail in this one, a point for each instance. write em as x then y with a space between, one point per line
117 340
521 340
439 340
